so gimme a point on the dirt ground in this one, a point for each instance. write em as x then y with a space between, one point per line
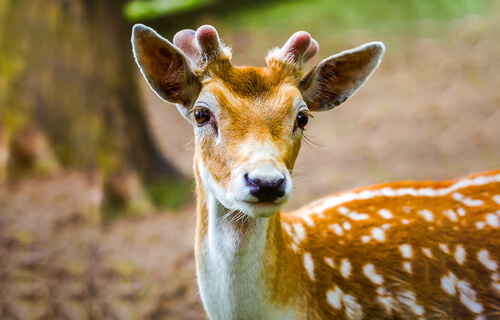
431 111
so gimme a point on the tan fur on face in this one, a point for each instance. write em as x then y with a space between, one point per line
255 107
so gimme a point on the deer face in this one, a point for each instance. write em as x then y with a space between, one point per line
247 141
248 122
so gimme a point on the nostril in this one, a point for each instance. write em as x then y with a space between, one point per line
264 190
255 182
279 182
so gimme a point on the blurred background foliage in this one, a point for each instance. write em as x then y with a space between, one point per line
68 77
83 139
68 85
381 15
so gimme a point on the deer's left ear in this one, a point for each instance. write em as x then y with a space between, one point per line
338 77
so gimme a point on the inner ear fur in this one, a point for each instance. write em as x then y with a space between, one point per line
338 77
164 66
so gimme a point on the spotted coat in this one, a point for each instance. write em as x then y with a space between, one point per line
402 250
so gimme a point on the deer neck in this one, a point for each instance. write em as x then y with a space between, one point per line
235 259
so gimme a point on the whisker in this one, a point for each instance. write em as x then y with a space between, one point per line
188 145
224 217
235 217
310 143
239 217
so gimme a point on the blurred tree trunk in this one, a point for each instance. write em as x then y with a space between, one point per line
67 68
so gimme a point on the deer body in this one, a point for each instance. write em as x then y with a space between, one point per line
407 250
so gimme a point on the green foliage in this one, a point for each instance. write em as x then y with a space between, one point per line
323 16
170 194
143 10
320 16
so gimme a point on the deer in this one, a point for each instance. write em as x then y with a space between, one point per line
397 250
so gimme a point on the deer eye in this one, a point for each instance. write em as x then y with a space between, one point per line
202 116
302 119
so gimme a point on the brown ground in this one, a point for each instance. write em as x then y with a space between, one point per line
432 111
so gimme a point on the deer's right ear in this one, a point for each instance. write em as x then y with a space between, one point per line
164 66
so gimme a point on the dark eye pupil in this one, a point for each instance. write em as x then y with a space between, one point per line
302 120
201 116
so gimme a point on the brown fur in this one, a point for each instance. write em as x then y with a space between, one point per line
390 273
424 280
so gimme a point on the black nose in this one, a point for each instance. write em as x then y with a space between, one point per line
265 191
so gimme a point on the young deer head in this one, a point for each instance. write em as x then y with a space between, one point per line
248 121
408 250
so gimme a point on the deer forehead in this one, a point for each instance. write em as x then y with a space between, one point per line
254 107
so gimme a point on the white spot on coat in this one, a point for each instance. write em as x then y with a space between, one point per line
496 198
457 196
448 284
346 225
384 213
358 216
451 215
496 287
378 234
308 220
354 310
492 220
408 299
426 214
495 277
329 261
299 230
468 297
386 226
369 271
407 267
345 268
444 247
288 229
365 239
337 229
480 225
461 212
334 297
309 264
343 210
386 299
460 254
427 252
405 221
472 202
406 250
484 257
467 201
